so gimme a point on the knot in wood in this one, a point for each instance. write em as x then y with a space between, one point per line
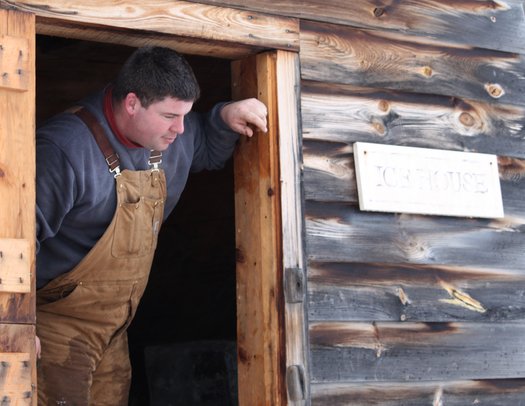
427 71
379 11
379 127
466 119
383 105
494 90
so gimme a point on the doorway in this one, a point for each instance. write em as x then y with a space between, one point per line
182 340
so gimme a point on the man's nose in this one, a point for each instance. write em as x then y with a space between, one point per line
177 126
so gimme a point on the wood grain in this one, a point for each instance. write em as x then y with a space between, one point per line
486 23
260 299
379 59
15 265
337 232
405 352
504 392
17 209
407 292
287 81
185 19
358 114
15 381
17 163
137 38
353 114
14 64
17 364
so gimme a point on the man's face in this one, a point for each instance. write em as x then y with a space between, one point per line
157 126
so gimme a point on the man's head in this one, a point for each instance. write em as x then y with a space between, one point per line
152 94
154 73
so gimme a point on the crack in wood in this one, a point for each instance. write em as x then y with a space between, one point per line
460 298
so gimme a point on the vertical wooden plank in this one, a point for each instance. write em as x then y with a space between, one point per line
288 82
17 375
15 265
17 205
3 21
260 319
17 163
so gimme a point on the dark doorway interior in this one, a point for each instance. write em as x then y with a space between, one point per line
182 341
185 327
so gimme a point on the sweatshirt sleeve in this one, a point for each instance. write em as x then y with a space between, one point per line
214 141
55 189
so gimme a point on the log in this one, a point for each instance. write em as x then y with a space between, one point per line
504 392
406 292
185 19
486 24
338 232
339 54
353 114
406 352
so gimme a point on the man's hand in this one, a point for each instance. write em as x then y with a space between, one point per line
240 115
38 348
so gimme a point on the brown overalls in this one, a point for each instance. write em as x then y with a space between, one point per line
82 315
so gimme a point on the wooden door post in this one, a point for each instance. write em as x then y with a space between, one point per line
260 317
17 208
271 286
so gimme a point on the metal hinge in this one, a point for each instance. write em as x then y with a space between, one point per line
294 285
295 382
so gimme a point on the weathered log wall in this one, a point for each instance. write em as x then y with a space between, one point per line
410 309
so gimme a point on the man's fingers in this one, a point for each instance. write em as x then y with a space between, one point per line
38 348
248 131
245 116
259 121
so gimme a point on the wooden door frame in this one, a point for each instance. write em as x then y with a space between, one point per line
272 356
17 208
271 343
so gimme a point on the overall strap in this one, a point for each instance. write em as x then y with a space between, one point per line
111 157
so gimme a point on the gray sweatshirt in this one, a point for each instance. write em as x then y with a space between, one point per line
75 192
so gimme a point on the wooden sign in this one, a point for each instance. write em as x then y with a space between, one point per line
427 181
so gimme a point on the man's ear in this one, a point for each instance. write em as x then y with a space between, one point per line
131 103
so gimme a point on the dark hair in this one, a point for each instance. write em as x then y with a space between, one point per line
154 73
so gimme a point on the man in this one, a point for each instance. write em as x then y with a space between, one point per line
108 173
